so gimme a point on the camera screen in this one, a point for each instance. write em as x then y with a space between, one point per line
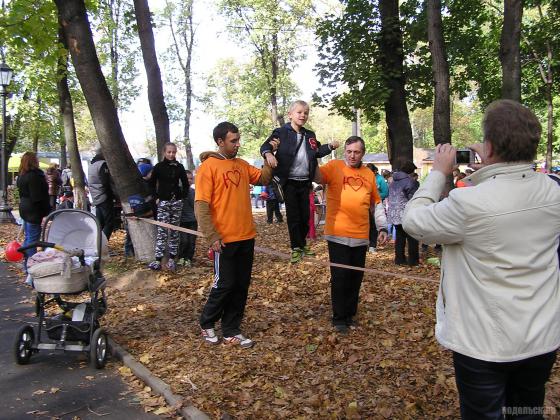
463 156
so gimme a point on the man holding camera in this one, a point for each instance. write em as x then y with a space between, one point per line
498 306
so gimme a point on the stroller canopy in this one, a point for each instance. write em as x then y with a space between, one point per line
74 228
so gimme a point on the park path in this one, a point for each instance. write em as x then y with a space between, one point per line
54 385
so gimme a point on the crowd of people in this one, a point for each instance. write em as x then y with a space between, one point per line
499 294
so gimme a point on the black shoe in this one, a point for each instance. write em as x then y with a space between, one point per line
341 328
351 323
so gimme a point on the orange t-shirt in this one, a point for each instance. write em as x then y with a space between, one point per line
350 193
224 185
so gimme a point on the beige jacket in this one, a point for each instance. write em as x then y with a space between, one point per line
499 295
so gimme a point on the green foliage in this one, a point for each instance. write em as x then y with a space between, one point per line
327 125
236 93
175 57
350 56
466 119
85 131
30 31
374 136
118 48
273 29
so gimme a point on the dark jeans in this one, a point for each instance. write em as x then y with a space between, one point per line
105 213
273 207
232 276
488 390
296 200
413 252
372 232
32 234
187 241
128 245
345 283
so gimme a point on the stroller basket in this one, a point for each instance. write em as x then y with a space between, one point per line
48 278
75 330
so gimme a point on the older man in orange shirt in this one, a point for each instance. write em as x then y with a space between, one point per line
351 195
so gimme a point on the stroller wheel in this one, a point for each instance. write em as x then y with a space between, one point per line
22 345
98 348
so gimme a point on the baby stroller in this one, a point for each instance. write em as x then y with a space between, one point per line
69 266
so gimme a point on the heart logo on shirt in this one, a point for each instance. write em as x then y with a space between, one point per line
232 176
354 183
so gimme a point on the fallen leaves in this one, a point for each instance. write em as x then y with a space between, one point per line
125 371
389 367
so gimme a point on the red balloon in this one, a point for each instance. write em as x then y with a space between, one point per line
11 252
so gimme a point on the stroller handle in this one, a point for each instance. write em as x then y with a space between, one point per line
36 244
72 252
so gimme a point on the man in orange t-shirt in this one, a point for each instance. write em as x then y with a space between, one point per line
351 195
223 211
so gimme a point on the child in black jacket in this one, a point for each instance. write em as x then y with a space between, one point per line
294 165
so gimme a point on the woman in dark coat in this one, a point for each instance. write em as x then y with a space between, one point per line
33 200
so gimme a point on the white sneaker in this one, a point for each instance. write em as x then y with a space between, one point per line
240 340
372 250
209 335
29 280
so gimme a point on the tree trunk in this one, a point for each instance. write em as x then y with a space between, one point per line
440 70
155 85
396 112
189 42
549 99
35 141
277 117
187 35
67 113
114 49
13 134
547 78
63 159
510 50
73 19
77 32
549 125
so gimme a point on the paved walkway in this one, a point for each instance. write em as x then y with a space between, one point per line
54 385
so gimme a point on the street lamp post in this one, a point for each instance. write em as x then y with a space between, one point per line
5 209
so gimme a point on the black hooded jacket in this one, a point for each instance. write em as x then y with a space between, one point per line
169 180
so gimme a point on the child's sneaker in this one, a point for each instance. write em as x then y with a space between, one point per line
209 335
297 253
171 266
239 340
307 251
155 265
